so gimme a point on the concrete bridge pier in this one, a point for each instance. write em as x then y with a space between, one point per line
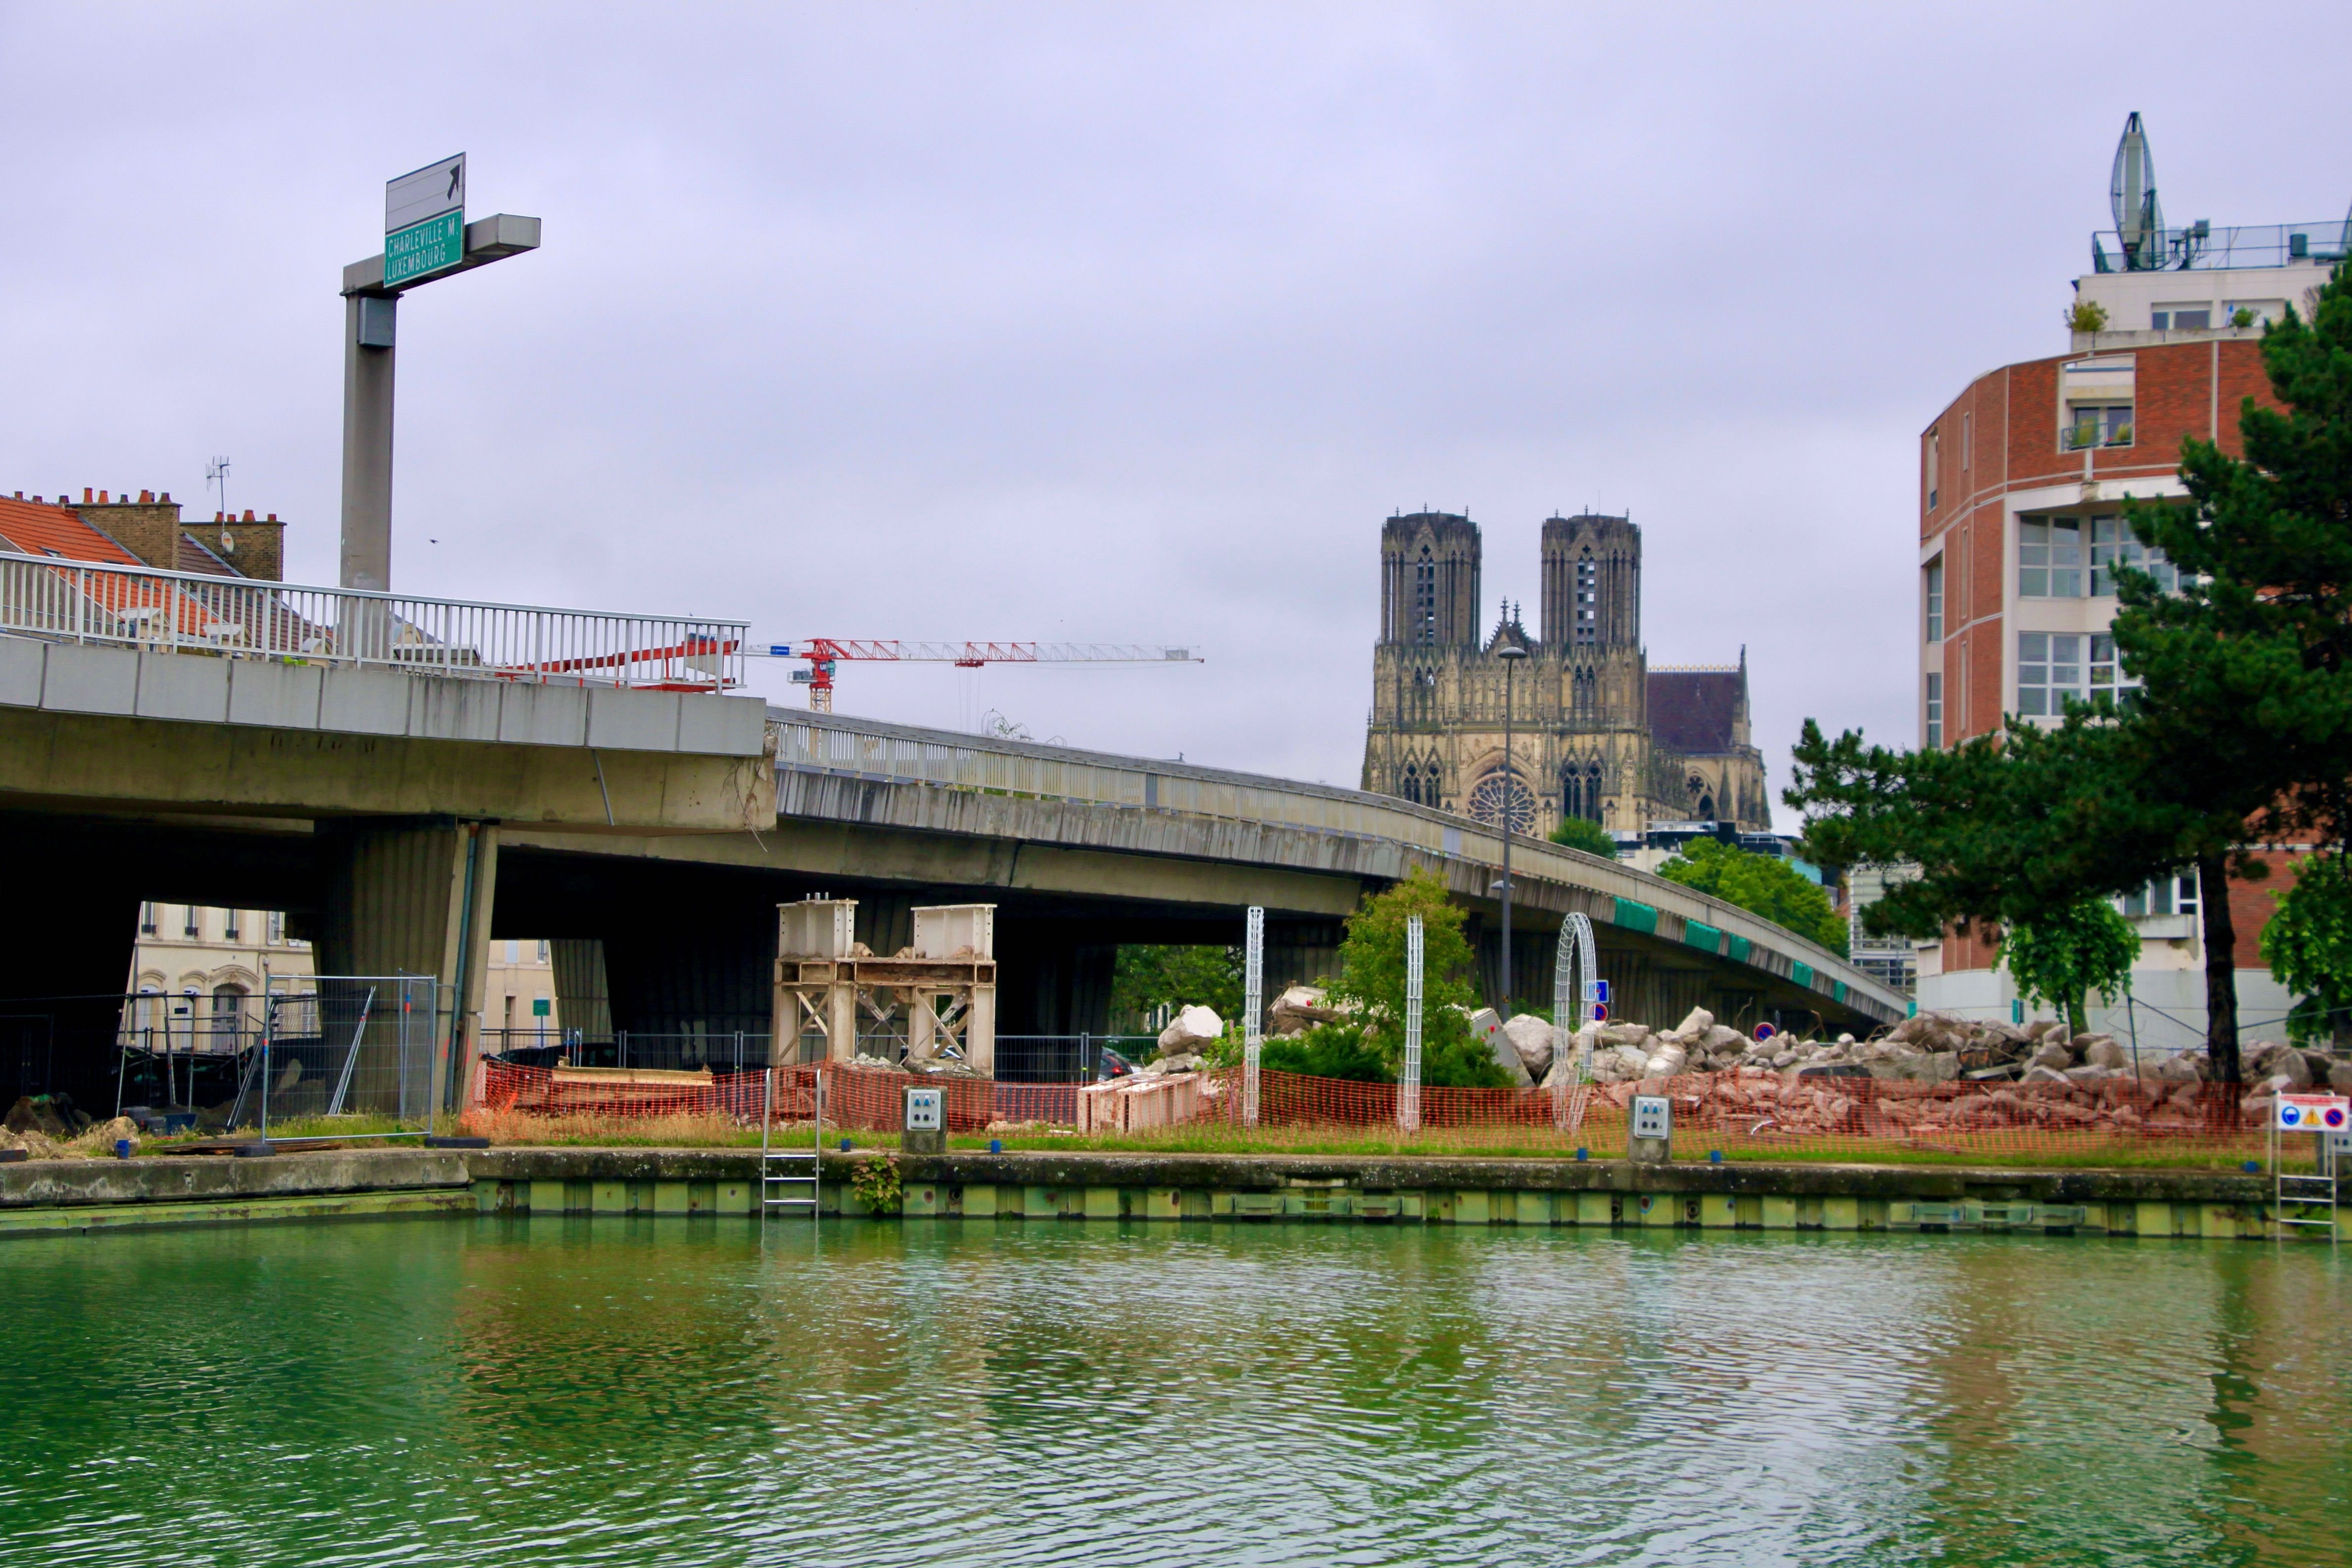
413 896
68 926
1300 953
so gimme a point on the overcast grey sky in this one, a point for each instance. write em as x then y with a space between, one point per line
1114 322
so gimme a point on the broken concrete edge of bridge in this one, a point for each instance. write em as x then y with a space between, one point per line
202 688
888 755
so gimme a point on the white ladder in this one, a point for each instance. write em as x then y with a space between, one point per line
2316 1191
791 1178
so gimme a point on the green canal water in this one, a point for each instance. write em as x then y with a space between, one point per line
559 1391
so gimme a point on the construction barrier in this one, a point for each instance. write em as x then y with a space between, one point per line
1746 1111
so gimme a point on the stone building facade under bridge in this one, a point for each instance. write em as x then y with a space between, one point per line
1597 733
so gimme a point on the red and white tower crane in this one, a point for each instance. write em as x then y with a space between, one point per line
824 653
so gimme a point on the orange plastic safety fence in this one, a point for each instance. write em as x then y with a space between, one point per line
1750 1112
858 1097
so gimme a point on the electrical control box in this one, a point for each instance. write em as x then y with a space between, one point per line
924 1111
1654 1116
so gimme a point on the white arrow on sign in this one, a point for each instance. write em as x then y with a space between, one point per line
431 191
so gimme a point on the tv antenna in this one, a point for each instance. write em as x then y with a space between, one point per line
217 476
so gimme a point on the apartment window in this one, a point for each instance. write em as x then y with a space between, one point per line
1934 463
2052 667
276 925
2049 672
2174 895
1968 438
2098 424
542 950
146 919
2188 316
2112 543
188 925
229 926
2050 558
1936 600
1935 704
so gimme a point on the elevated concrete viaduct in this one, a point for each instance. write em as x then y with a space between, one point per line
405 820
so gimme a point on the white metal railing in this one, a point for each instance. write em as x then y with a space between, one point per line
64 600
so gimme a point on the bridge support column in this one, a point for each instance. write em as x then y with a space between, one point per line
584 996
414 897
67 930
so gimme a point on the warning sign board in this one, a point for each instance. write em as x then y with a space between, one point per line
2313 1113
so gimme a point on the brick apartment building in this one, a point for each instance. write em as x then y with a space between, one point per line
2022 481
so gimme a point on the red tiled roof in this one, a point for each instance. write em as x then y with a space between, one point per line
36 528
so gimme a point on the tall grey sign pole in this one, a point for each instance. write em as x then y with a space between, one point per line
426 237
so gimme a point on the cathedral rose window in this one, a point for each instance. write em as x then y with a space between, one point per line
1498 794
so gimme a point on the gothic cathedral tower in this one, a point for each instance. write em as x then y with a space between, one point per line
1594 732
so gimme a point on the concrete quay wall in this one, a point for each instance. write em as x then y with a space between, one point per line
53 1197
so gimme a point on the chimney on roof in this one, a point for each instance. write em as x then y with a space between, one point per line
259 548
149 529
85 495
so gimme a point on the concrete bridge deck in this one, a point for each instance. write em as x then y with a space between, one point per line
405 820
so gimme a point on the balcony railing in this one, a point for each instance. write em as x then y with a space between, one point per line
2076 438
64 600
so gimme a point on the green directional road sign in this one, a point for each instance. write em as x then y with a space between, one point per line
424 247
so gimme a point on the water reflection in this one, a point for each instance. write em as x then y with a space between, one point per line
569 1391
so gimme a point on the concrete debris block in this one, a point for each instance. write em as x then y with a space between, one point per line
945 1067
1931 1067
1696 1024
2269 1058
1507 1057
1532 1039
2055 1055
1722 1037
2040 1074
2320 1064
2178 1067
1300 1008
2087 1073
1624 1034
2103 1051
1667 1061
1192 1028
2339 1078
864 1059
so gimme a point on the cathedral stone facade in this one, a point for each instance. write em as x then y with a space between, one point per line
1596 732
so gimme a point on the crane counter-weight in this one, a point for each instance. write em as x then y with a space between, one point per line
823 653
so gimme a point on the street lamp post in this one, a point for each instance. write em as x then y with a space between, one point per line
427 239
1510 654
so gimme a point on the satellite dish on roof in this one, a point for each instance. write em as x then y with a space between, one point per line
2131 194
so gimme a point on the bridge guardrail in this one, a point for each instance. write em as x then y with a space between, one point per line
64 600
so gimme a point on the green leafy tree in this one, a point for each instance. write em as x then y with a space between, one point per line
2061 956
2308 946
1762 885
1147 977
1372 972
1578 833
